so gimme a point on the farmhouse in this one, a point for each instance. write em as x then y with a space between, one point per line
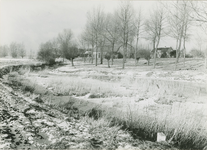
98 54
162 52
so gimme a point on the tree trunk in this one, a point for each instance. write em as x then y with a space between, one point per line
112 54
180 42
96 49
135 53
101 55
126 52
138 60
205 61
124 56
101 60
92 54
72 61
112 58
176 43
102 49
155 54
184 39
184 51
148 61
96 58
84 56
108 63
178 53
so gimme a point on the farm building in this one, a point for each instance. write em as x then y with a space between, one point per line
98 54
162 52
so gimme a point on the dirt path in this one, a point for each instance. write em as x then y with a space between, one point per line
27 124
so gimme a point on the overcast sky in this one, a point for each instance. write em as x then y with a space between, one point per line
33 22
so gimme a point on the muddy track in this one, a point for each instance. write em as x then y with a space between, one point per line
28 124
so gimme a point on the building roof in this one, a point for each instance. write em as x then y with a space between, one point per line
88 52
163 49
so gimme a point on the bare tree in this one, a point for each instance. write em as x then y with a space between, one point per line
125 16
46 53
71 53
108 57
199 12
144 53
174 22
95 24
111 33
65 37
67 46
14 49
183 17
88 36
101 43
199 15
138 24
31 54
83 43
187 25
4 51
17 50
56 47
22 51
179 21
154 27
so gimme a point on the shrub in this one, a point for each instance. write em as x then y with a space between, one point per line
14 78
164 55
71 86
173 54
118 54
52 61
24 70
108 57
28 88
71 53
197 53
47 53
13 74
68 48
94 96
188 56
144 53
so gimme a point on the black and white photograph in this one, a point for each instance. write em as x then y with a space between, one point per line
103 74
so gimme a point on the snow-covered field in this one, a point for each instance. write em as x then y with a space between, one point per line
171 100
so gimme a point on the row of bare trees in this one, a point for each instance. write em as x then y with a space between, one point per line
109 29
180 23
14 49
124 28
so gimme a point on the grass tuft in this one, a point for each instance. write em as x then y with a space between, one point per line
80 87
